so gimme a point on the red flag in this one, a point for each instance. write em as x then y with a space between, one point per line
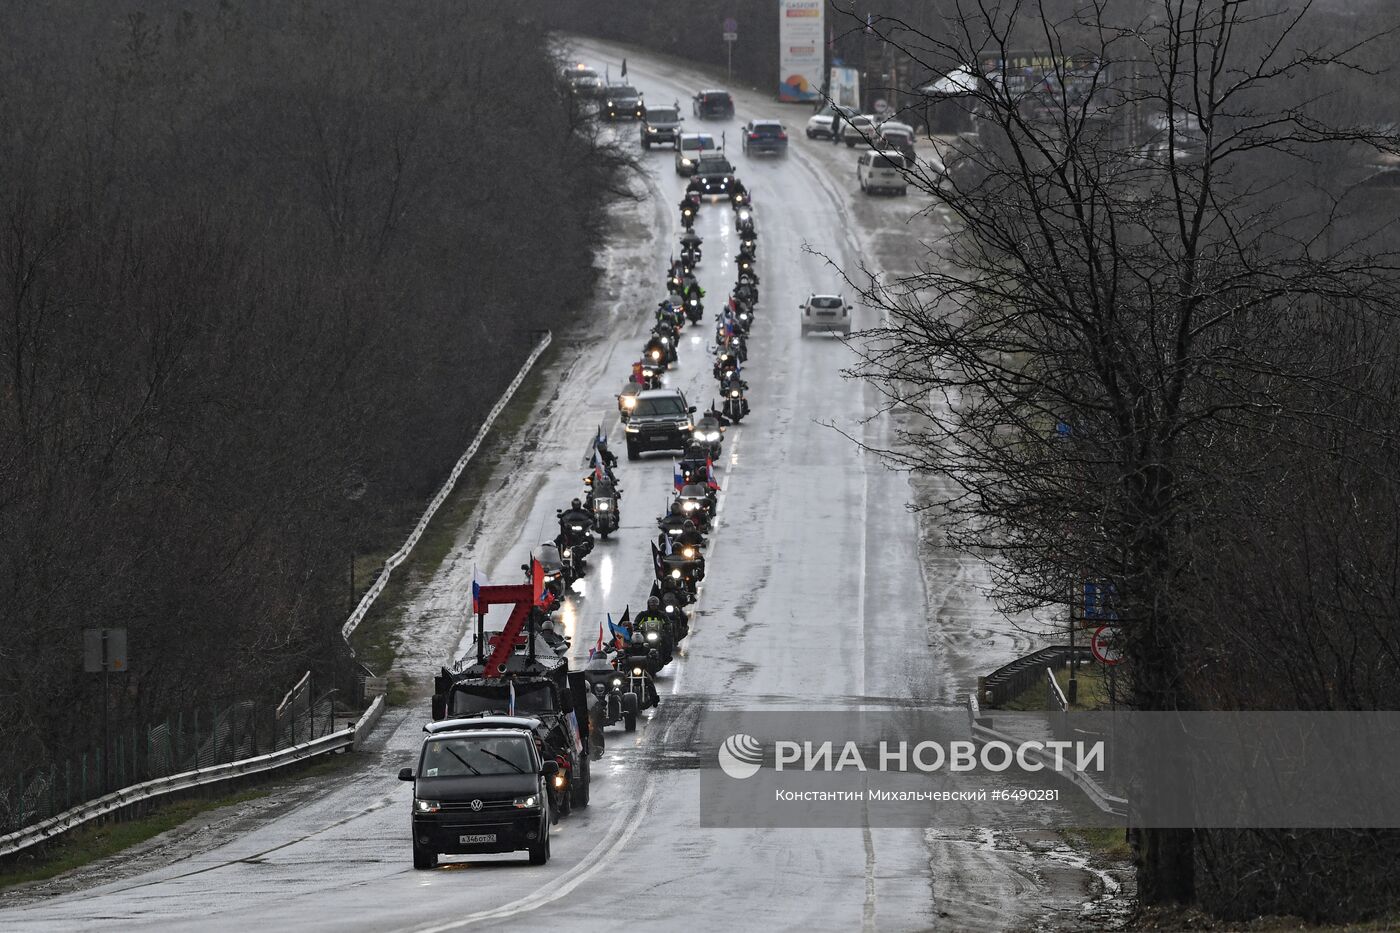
710 474
537 581
598 649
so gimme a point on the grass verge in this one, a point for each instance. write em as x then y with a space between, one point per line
376 640
1093 690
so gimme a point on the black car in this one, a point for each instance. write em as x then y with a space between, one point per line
765 136
622 102
480 786
661 125
715 176
713 105
659 421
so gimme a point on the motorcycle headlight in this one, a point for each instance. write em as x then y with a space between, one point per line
699 435
712 436
666 341
525 803
689 553
734 393
743 214
629 401
617 681
601 506
691 506
426 806
567 552
560 781
651 636
576 527
636 672
675 574
670 609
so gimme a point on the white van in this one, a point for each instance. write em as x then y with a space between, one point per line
690 147
881 171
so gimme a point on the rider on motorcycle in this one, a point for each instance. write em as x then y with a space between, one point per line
575 514
738 194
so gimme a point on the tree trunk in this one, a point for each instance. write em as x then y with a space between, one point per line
1166 866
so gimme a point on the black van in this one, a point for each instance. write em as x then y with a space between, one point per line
480 786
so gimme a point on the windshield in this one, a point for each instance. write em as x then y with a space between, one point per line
826 302
887 161
767 129
661 405
663 115
622 91
465 755
698 142
475 700
716 97
584 73
715 167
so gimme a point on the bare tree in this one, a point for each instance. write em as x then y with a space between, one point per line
1140 239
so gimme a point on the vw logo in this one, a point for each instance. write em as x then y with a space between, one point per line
476 804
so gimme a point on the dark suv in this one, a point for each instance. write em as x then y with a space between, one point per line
715 176
714 104
660 421
661 125
622 102
765 136
480 787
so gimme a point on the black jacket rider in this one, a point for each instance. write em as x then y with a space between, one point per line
572 516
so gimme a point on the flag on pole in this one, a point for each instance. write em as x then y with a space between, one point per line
537 580
656 561
667 540
620 632
478 581
510 710
598 648
677 477
710 474
624 67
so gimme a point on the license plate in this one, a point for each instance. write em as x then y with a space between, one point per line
476 839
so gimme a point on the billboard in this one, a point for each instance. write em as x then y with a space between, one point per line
801 56
845 87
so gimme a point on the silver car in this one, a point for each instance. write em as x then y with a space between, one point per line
825 313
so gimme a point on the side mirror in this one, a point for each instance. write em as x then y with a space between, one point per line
525 567
849 308
439 707
691 409
549 768
405 774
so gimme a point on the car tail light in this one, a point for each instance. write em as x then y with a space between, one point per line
782 135
753 136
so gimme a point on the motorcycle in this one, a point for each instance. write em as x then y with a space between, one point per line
735 405
636 677
748 243
615 702
739 199
743 219
657 355
690 248
575 543
688 217
726 361
709 433
667 337
684 567
694 307
603 504
746 294
551 562
658 636
673 609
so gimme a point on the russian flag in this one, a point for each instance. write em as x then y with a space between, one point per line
677 477
478 581
710 474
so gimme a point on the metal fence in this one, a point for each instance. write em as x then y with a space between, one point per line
190 740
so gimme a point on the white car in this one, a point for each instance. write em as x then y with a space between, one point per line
858 129
825 313
819 124
690 147
882 171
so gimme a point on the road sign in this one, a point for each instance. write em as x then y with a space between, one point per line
104 649
882 105
1106 645
731 29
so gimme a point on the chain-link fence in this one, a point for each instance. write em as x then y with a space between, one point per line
193 739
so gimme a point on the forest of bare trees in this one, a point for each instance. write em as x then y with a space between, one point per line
263 269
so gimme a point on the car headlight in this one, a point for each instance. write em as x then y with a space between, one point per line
629 401
426 806
601 506
689 553
632 429
675 574
560 781
651 636
636 672
617 681
525 803
690 506
685 162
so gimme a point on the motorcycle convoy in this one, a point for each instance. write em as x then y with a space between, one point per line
630 653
